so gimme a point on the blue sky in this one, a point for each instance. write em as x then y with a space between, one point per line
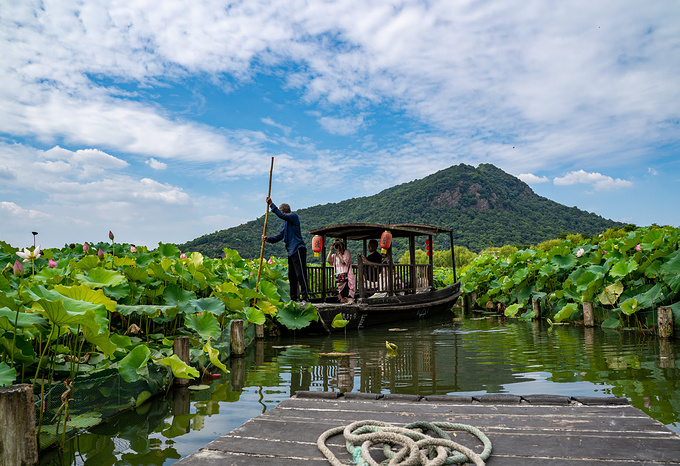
158 120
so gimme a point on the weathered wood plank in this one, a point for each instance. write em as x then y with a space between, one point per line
522 433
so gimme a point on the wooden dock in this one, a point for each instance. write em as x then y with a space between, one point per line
524 430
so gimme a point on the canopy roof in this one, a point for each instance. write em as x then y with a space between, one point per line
359 231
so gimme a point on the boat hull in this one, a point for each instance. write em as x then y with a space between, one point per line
387 310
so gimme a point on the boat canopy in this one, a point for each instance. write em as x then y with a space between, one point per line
362 231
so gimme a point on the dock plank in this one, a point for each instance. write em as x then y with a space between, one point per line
522 433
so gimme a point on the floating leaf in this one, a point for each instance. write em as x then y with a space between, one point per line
611 322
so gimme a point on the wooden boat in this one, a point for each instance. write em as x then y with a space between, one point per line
396 293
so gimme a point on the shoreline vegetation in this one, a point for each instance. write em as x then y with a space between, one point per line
91 311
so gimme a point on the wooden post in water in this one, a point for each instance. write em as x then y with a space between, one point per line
259 331
238 344
181 348
665 321
588 315
536 307
17 437
473 300
666 354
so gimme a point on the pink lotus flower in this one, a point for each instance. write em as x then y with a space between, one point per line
271 261
604 252
580 252
100 253
29 255
133 249
110 235
18 268
85 248
51 264
183 256
638 248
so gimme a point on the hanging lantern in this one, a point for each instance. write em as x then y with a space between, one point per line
385 241
317 245
429 247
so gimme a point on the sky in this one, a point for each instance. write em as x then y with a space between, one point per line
158 120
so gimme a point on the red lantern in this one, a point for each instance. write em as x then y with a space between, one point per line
429 247
317 245
385 241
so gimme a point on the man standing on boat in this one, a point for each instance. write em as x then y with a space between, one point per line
291 235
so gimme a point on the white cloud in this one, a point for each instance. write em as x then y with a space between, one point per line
269 121
598 180
156 165
342 126
530 178
10 208
652 171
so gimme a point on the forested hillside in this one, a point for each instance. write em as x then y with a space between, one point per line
485 205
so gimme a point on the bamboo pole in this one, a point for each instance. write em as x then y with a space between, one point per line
264 232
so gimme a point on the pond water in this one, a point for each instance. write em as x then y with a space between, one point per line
443 356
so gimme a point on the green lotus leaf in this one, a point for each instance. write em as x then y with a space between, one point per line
213 305
78 313
653 239
255 315
159 272
7 374
168 250
623 268
20 349
232 257
228 287
611 294
214 356
136 273
267 308
567 261
134 366
611 322
179 369
252 294
87 263
294 318
25 319
630 306
118 292
141 399
85 293
652 296
205 324
338 321
123 261
233 304
511 311
174 295
270 291
671 271
122 341
566 312
100 340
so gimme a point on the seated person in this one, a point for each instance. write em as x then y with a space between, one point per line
341 259
371 273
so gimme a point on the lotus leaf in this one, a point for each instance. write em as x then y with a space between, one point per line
205 324
212 304
136 273
87 263
566 312
630 306
294 318
255 314
611 294
25 319
7 374
174 295
671 271
133 366
179 368
85 293
18 349
623 268
168 250
214 356
511 311
339 322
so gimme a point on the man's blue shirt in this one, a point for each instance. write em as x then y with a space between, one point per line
290 231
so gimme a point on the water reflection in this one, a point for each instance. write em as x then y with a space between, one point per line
468 357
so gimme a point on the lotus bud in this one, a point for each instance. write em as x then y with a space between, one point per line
72 245
110 235
85 248
51 264
183 256
133 249
18 268
100 253
638 248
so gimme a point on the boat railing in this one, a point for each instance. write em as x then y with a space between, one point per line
372 279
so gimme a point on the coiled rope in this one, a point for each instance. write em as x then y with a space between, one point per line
417 448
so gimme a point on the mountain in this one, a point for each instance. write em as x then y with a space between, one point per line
484 205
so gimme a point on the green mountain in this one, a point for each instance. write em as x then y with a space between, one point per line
484 205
